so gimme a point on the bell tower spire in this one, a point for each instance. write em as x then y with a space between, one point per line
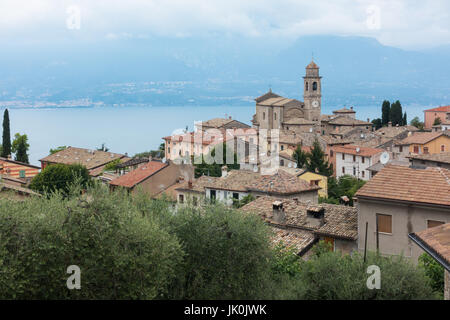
312 92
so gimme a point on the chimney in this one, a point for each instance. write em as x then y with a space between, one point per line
278 212
390 124
351 108
368 119
224 171
315 216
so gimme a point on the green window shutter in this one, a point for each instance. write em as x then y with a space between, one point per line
22 173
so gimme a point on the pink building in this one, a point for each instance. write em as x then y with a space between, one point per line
432 114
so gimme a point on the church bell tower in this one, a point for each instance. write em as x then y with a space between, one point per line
312 92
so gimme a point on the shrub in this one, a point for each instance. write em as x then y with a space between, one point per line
121 254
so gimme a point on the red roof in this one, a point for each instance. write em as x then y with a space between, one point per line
132 178
444 109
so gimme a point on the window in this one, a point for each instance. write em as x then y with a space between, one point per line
425 150
275 116
306 86
354 158
363 159
168 150
181 198
264 116
314 86
354 171
212 194
235 195
331 153
282 162
384 223
442 148
22 173
433 223
363 173
282 147
400 149
343 156
416 149
343 170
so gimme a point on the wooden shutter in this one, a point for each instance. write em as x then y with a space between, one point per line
384 223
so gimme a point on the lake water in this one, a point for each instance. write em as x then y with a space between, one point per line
126 129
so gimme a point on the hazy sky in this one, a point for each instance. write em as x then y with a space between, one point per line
400 23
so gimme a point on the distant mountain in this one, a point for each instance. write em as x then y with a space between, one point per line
219 71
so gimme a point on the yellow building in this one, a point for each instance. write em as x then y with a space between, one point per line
427 142
312 178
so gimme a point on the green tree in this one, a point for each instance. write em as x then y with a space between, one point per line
396 114
111 166
335 276
6 145
385 111
121 253
20 147
405 119
60 177
377 123
317 162
417 123
437 121
215 169
240 203
434 271
346 185
227 254
57 149
300 157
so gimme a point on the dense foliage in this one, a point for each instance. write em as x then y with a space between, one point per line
212 167
345 185
417 123
57 149
20 147
434 271
132 247
314 160
60 177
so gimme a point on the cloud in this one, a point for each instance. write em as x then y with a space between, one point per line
402 23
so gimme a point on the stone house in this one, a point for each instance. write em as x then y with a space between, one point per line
431 160
402 200
426 142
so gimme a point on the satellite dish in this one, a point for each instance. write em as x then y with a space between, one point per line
310 129
295 165
255 169
290 164
384 158
358 149
362 135
164 160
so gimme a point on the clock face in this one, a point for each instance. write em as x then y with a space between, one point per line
315 103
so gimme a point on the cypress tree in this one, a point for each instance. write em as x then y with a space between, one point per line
317 162
385 111
6 144
405 119
396 114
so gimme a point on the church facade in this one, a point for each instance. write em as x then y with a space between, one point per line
276 112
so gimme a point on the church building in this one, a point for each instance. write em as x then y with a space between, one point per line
276 112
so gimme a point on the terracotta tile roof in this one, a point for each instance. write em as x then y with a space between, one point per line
443 157
89 158
351 149
299 121
246 181
430 185
344 110
421 138
347 121
339 221
445 109
132 178
378 166
19 163
438 240
394 131
298 239
198 185
266 96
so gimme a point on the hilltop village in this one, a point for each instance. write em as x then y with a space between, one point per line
284 165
